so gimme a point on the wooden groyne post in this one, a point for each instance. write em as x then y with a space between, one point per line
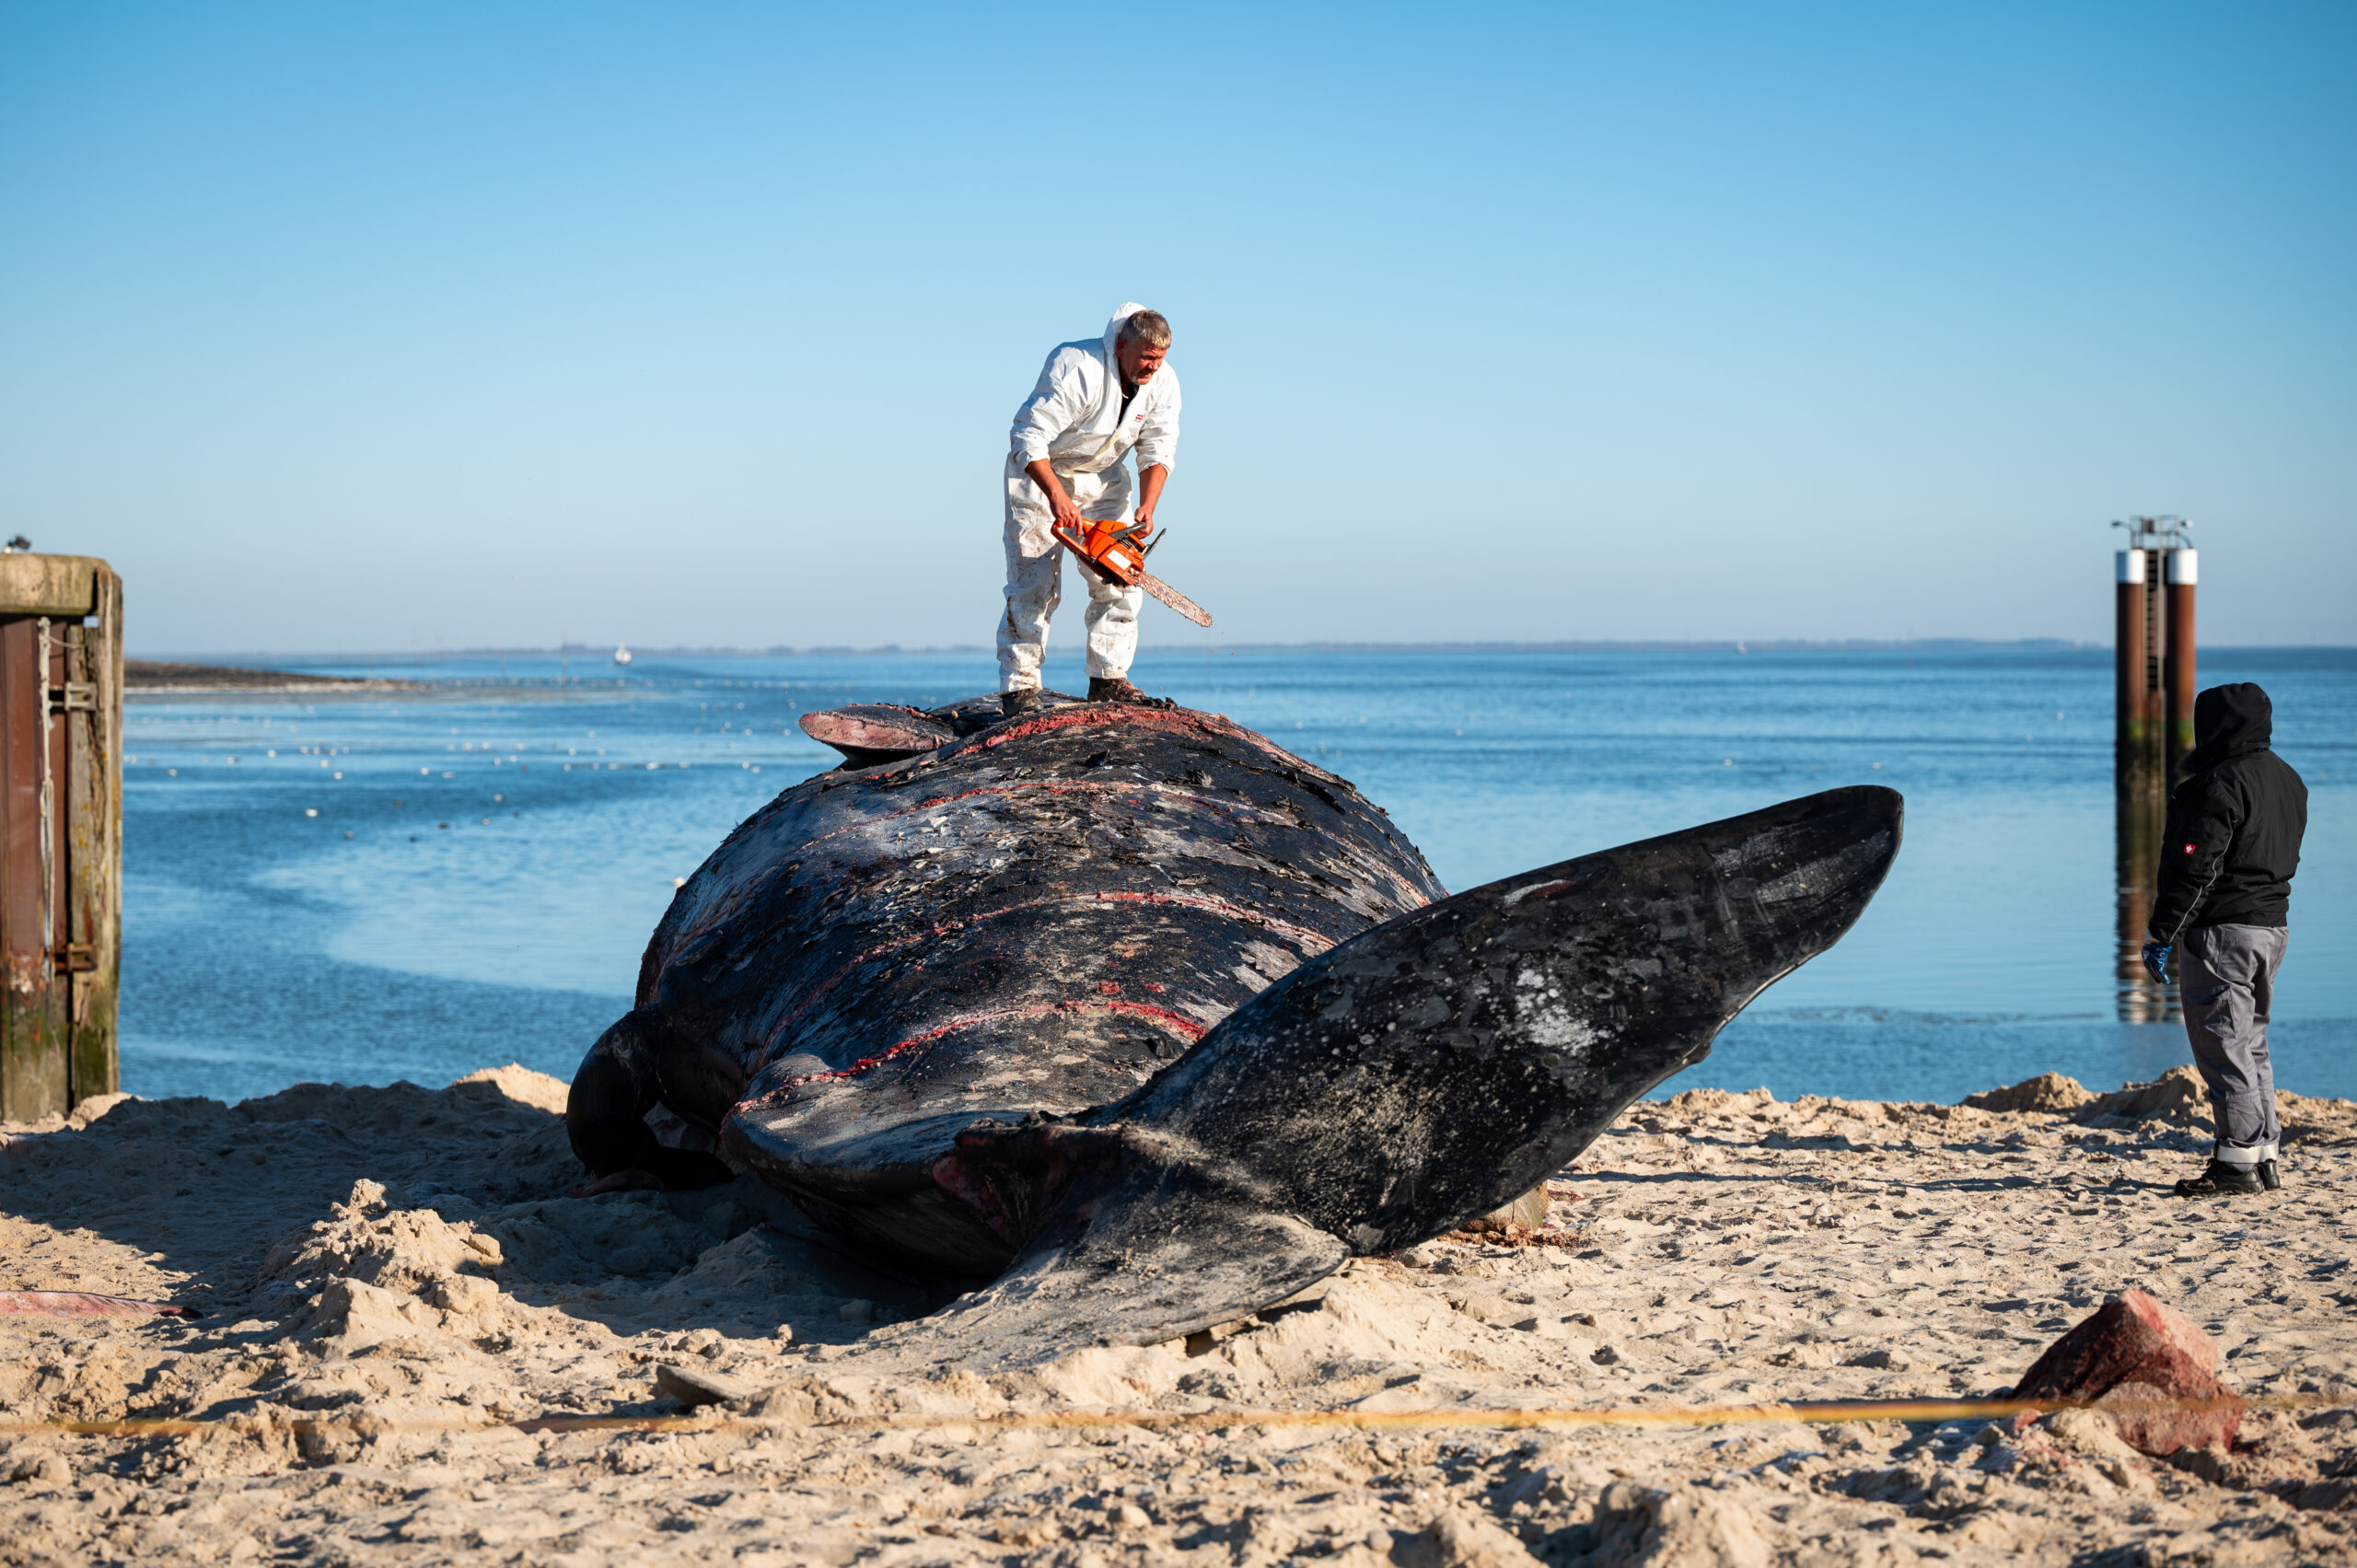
61 831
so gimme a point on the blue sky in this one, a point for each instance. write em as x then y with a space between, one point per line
362 327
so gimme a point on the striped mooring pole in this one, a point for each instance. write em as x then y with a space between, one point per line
2136 729
2153 682
2153 650
2180 570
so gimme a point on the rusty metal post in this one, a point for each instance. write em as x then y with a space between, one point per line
2136 831
2128 667
61 831
2138 750
2181 570
2149 654
2154 718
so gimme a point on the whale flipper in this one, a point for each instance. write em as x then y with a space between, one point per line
1428 1069
1432 1068
869 732
1144 1239
605 1114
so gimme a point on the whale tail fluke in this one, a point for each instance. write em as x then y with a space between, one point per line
1425 1071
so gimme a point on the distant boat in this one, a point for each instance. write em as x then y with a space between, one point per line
621 656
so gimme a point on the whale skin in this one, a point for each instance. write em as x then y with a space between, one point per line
1135 1022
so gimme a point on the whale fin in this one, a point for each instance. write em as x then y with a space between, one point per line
869 732
1434 1067
1140 1240
1421 1074
605 1112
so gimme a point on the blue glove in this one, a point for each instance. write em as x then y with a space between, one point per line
2156 960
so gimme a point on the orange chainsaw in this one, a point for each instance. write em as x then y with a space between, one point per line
1111 550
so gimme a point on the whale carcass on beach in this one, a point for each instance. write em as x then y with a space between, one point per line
1152 1024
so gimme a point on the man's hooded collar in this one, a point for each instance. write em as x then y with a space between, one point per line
1113 347
2229 721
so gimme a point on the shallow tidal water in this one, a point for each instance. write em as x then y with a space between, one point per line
415 885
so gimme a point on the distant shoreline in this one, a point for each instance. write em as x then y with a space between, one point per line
164 675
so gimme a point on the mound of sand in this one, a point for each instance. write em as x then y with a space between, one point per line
416 1346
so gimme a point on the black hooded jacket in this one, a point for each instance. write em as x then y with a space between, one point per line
2235 823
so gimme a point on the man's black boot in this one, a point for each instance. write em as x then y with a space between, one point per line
1014 704
1116 689
2221 1180
2268 1176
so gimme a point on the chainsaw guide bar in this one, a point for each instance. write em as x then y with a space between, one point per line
1110 550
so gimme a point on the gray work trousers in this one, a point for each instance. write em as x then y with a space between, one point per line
2226 980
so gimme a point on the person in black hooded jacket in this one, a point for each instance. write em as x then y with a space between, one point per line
2222 912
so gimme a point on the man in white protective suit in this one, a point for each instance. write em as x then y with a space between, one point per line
1097 401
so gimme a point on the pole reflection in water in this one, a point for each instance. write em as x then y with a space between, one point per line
2140 815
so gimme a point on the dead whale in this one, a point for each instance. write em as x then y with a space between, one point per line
1150 1023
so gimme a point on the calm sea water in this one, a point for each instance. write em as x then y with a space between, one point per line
378 888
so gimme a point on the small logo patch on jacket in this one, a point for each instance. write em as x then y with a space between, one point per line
2189 849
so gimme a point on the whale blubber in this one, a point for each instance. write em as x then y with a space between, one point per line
1157 1023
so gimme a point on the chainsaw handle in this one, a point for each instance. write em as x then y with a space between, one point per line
1096 547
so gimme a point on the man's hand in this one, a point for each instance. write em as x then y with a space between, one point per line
1149 496
1067 516
2156 960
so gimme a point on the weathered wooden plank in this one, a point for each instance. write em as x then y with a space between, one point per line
90 1067
64 587
32 1066
98 1066
94 1067
61 831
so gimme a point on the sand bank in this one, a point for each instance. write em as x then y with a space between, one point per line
398 1299
166 678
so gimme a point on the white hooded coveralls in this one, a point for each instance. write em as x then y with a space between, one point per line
1074 418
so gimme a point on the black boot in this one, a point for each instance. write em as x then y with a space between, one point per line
2268 1176
1015 704
2221 1180
1116 689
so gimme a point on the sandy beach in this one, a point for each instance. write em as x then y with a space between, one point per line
409 1331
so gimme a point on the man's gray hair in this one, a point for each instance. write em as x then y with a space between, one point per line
1148 327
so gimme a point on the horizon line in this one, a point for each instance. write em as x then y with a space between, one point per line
838 650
